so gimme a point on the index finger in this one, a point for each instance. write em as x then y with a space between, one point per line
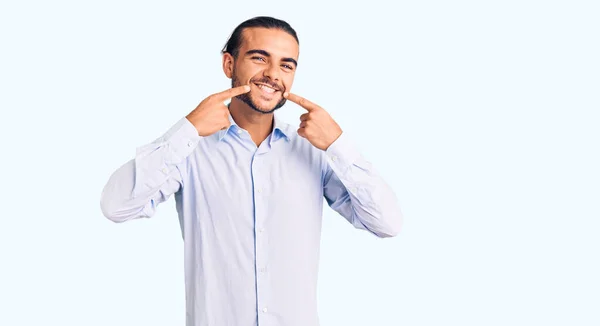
308 105
232 92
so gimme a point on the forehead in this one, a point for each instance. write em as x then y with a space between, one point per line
273 40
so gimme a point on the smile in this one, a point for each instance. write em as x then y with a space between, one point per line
266 88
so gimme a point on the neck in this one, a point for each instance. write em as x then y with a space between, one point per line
259 125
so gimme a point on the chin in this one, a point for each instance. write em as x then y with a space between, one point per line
265 106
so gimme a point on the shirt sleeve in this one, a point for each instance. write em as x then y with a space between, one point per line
137 187
354 189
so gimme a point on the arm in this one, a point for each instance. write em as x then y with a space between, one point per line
351 186
136 188
356 191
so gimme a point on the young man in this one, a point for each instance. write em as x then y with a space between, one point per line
249 188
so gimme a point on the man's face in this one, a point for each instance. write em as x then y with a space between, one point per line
267 62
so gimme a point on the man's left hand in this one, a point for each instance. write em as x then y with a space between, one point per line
316 125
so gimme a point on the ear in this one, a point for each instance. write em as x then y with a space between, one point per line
228 63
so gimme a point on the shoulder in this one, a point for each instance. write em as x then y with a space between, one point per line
299 149
295 141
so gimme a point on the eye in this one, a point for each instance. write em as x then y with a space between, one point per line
288 67
258 58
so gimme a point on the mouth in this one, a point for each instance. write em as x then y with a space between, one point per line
267 89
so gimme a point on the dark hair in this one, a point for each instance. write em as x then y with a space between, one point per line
235 40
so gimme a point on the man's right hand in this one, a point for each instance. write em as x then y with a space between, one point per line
212 115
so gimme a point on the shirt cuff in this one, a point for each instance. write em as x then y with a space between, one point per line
342 153
182 139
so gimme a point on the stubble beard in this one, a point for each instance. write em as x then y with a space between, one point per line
248 100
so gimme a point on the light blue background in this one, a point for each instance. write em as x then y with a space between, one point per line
483 116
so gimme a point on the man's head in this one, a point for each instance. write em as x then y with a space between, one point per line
262 52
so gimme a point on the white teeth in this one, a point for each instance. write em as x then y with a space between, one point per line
266 88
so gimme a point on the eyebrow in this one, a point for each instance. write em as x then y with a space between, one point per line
267 54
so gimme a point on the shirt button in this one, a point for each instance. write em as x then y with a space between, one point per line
164 170
262 270
190 143
240 131
259 190
260 230
265 309
333 158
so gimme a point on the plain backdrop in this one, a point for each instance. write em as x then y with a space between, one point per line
482 115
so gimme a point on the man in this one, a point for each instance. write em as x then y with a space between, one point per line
249 188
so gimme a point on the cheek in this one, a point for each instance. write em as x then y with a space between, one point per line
254 74
246 72
287 82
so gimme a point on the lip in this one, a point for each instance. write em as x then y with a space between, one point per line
264 92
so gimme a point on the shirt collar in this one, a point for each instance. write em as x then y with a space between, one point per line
279 129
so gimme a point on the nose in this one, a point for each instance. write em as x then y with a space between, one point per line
272 71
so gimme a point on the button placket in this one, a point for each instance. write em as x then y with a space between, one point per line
260 236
